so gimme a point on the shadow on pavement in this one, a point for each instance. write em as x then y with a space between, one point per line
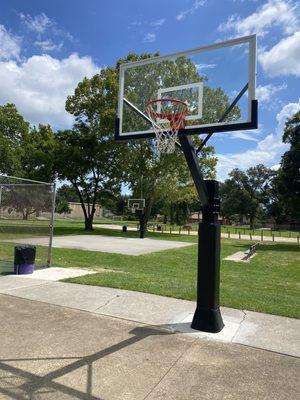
19 384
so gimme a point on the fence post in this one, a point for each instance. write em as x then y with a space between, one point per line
228 234
53 187
239 235
262 236
298 239
170 230
273 240
250 235
180 230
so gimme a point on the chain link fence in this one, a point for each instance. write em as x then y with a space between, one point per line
26 218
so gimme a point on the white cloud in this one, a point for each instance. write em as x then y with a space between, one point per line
39 23
283 58
286 112
149 37
158 22
282 13
196 4
249 136
40 85
135 23
275 167
48 45
201 67
265 94
268 151
9 45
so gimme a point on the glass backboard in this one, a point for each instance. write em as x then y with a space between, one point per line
208 78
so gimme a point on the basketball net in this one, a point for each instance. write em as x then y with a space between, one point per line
167 116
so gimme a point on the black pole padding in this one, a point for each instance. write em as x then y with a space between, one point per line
143 225
207 316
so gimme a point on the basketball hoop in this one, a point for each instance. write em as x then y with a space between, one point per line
135 207
167 116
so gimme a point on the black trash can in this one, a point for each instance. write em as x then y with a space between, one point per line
124 228
24 259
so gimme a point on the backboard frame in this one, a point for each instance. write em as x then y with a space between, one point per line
250 123
132 202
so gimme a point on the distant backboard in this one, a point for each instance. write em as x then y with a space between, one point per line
208 78
136 204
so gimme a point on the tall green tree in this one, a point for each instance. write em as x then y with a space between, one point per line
246 193
286 187
37 148
88 156
13 129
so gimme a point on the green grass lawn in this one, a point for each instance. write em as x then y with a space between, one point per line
268 283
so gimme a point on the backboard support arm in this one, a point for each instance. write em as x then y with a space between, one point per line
193 164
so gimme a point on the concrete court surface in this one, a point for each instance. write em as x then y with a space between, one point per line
107 244
52 352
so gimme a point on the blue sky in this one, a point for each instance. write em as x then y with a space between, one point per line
47 47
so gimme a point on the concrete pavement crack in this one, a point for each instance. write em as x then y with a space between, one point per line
108 301
169 370
240 325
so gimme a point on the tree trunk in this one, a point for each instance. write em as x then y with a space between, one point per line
88 223
251 218
172 206
145 215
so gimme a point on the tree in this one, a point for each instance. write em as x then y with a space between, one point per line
287 183
246 193
88 155
13 128
26 153
234 201
37 148
64 195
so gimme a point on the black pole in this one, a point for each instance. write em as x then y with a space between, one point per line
207 316
143 225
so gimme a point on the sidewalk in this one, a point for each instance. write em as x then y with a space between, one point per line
257 238
263 331
50 352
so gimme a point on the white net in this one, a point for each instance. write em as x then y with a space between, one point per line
167 116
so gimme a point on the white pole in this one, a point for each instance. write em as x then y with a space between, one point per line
49 260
